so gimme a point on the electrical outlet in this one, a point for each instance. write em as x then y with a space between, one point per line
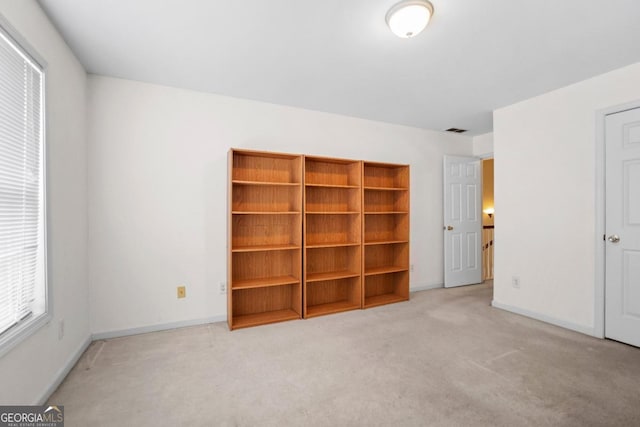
60 329
182 291
515 282
411 267
223 288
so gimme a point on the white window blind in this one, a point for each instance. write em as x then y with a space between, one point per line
22 234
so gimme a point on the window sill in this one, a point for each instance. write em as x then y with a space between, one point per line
14 336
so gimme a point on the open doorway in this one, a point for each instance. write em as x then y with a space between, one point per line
488 217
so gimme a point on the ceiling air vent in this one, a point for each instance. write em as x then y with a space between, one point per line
456 130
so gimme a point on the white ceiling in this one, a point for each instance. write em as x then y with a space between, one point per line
339 56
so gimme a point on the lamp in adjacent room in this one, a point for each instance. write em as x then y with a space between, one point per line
409 17
489 212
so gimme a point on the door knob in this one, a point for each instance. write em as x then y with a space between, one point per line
614 238
449 227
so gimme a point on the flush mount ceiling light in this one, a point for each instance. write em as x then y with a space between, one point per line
409 17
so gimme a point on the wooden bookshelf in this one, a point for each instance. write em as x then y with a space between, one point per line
385 233
311 236
265 238
332 236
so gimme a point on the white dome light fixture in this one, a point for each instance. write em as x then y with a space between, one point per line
409 17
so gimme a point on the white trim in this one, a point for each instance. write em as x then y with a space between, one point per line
155 328
14 34
425 287
600 206
599 271
63 372
75 356
20 332
12 337
485 156
547 319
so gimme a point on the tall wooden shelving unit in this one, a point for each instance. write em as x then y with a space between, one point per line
350 220
265 238
386 233
332 236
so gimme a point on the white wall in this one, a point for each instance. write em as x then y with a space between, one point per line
483 144
545 198
158 181
28 370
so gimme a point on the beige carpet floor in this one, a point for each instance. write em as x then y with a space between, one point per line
445 358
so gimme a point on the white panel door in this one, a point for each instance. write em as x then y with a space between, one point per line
622 281
462 221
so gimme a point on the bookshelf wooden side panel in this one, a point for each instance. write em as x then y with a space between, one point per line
230 230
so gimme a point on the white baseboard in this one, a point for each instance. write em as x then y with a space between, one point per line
156 328
63 372
547 319
425 287
73 359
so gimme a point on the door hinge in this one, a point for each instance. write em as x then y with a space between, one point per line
604 237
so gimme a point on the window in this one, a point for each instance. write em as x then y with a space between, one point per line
23 289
